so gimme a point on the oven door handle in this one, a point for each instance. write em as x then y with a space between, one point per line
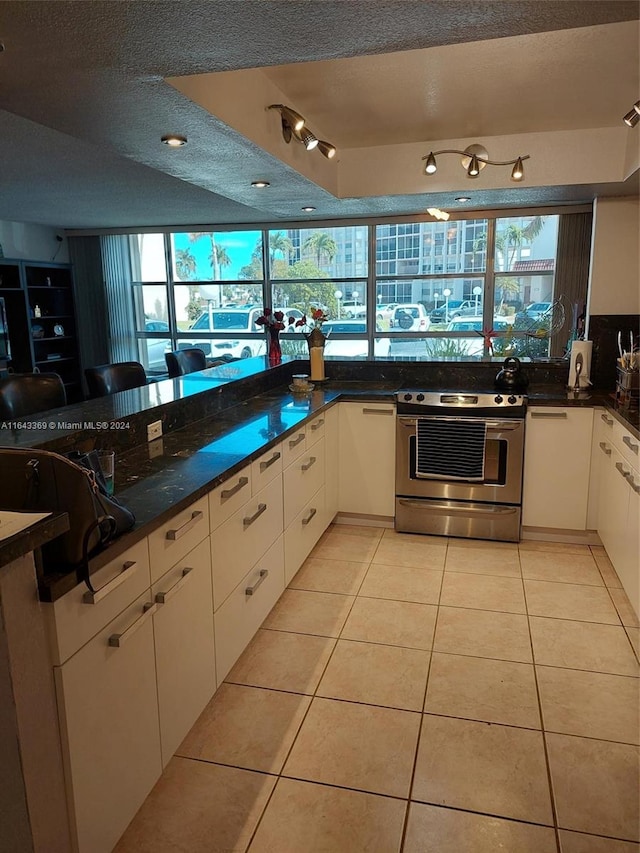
464 510
501 425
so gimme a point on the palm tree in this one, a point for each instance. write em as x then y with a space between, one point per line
322 244
185 264
218 257
279 242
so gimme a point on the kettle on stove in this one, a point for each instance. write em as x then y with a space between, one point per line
511 377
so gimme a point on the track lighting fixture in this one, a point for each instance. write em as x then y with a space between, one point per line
474 159
633 116
294 126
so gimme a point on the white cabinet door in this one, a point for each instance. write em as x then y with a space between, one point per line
629 571
367 458
108 708
331 464
177 537
303 533
185 659
557 459
614 504
302 479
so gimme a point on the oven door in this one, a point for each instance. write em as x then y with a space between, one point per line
502 483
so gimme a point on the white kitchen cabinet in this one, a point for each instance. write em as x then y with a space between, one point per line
367 458
302 479
243 538
331 464
303 533
108 708
184 646
170 542
602 435
557 461
238 619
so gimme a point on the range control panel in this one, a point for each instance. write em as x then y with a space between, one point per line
461 399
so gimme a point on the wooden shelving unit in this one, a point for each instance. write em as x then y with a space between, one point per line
41 318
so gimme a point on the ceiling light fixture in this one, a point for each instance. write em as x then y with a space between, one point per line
260 184
474 159
463 198
174 140
294 127
438 214
633 116
308 208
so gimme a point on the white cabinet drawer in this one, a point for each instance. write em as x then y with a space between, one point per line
293 446
303 533
183 632
78 616
239 542
302 479
177 537
628 446
315 429
225 499
108 707
247 607
266 468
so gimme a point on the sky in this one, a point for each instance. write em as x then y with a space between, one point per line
239 245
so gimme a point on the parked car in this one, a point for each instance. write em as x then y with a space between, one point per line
232 320
409 318
384 312
156 326
535 311
353 308
457 308
344 348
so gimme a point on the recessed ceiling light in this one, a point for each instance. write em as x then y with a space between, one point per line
463 198
260 184
308 209
173 140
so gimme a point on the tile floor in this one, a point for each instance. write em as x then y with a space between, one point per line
417 694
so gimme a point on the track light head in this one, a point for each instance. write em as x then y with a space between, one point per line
517 173
633 116
294 119
473 170
307 138
327 149
431 167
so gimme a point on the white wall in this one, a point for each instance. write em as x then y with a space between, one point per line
614 285
30 242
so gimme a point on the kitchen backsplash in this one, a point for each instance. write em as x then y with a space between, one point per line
603 331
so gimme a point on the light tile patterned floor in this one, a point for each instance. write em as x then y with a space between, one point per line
418 694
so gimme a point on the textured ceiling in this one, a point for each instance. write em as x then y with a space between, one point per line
84 102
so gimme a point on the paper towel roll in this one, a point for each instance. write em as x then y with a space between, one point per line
584 348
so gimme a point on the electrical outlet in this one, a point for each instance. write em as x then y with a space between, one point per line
154 430
156 448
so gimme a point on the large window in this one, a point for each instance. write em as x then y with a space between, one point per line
434 289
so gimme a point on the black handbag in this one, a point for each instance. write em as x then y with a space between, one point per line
41 481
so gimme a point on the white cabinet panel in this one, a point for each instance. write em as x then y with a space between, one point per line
629 570
247 607
315 429
108 708
293 446
177 537
240 541
265 469
303 533
227 498
79 615
302 479
184 646
331 464
614 503
367 458
557 459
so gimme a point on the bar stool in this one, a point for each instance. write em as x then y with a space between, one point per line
27 393
107 379
183 361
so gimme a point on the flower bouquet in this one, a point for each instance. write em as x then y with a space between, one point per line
312 330
273 323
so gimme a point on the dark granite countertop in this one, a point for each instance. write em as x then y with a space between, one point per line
216 422
32 537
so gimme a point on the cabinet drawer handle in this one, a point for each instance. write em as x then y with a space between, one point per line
312 461
306 520
227 493
605 448
626 440
557 415
269 463
378 412
248 521
163 597
297 440
621 470
608 421
635 486
196 516
317 425
118 640
129 568
263 576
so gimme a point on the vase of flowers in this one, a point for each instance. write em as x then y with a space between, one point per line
316 339
273 323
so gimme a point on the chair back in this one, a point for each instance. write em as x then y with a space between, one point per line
27 393
184 361
107 379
